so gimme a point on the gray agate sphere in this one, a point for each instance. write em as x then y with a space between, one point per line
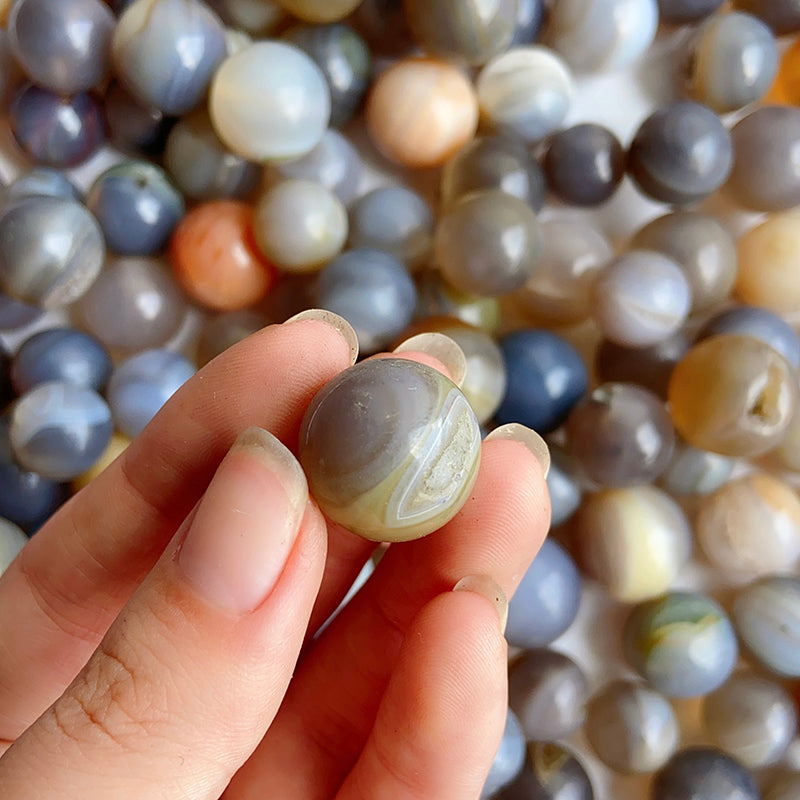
373 291
63 46
140 386
60 354
751 718
391 449
55 130
59 429
766 171
632 728
548 692
150 50
51 251
704 773
681 154
547 599
767 618
488 244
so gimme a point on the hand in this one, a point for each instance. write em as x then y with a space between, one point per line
155 635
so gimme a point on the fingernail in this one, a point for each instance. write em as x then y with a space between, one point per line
336 322
443 349
246 524
519 433
491 590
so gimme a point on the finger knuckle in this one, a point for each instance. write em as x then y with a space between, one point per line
111 703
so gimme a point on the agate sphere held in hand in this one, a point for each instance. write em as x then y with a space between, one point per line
391 449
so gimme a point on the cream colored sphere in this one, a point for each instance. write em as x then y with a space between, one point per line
270 102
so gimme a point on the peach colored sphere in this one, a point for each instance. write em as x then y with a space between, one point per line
421 111
215 258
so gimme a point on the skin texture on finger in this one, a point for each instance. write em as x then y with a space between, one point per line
192 672
442 716
331 704
60 596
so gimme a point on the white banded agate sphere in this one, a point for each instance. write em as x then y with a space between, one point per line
391 449
270 102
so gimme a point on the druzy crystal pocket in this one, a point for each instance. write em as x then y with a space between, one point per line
391 449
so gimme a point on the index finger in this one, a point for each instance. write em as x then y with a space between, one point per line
60 596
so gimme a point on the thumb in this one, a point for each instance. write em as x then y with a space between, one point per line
191 674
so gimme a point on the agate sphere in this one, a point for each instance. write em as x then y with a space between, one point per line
26 498
140 386
56 130
635 542
488 243
682 12
40 182
733 61
391 449
546 378
783 16
51 251
768 256
681 153
137 207
767 618
510 757
682 643
525 93
641 299
620 435
59 429
334 163
547 599
421 111
134 127
345 61
215 257
584 165
63 46
471 31
373 292
751 718
202 167
60 354
393 219
696 472
733 395
166 51
493 162
548 692
602 34
766 171
133 305
704 773
551 772
631 727
751 526
648 367
270 102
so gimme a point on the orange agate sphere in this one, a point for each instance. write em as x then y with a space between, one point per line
421 111
216 260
